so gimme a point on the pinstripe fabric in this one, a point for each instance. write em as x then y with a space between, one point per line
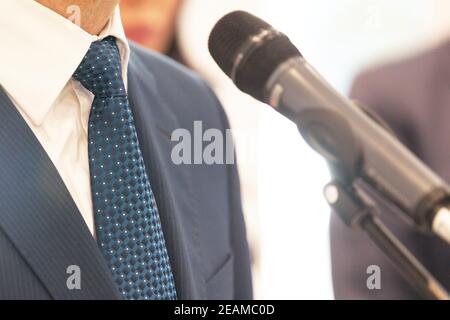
16 278
40 218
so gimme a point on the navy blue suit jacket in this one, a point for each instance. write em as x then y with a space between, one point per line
42 232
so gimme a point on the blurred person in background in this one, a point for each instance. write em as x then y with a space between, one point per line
413 96
152 23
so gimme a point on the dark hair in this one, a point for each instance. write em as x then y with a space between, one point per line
174 51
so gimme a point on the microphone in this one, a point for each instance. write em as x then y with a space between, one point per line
263 63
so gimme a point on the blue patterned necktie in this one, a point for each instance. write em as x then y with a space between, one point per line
127 222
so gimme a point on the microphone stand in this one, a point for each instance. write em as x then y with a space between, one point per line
357 211
350 203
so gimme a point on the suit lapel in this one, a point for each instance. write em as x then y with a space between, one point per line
171 184
39 216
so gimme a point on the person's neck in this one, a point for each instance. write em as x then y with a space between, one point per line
91 15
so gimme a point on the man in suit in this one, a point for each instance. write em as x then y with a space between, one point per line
413 97
88 186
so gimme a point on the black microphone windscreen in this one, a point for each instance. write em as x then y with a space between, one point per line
231 38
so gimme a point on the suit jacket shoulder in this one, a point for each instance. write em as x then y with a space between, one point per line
185 92
207 196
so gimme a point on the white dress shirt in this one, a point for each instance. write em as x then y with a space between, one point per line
40 52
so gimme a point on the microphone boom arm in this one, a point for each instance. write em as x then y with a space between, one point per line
357 212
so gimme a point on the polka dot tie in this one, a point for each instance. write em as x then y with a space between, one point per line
128 225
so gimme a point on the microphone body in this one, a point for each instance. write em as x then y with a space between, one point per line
354 145
265 64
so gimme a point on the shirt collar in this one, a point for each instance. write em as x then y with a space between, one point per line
42 50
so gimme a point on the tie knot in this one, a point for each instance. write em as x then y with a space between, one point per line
100 72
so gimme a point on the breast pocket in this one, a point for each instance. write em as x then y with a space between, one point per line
220 286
